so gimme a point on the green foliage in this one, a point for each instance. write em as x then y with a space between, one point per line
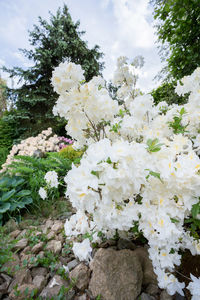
3 155
138 235
71 154
153 145
116 127
7 132
176 125
154 174
3 100
5 248
51 43
13 196
178 30
166 92
34 169
193 223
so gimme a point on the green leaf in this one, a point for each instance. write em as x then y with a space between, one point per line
195 210
23 193
4 207
173 220
27 200
109 160
154 174
4 182
153 145
6 196
95 173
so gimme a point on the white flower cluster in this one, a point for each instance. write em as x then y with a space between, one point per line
146 172
84 105
43 141
125 77
51 178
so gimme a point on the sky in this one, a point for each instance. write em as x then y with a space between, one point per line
119 27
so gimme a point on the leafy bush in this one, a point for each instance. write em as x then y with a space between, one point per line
71 154
13 196
7 132
166 92
33 171
3 155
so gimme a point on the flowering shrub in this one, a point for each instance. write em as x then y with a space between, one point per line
44 142
70 153
141 166
64 142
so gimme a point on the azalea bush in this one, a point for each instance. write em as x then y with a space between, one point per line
141 166
44 142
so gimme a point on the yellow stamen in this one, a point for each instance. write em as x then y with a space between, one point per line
161 201
82 195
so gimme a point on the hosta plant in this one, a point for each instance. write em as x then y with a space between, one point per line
13 196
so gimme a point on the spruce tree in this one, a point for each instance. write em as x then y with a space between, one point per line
52 42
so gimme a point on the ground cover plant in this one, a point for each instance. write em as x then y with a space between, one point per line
36 159
141 167
14 196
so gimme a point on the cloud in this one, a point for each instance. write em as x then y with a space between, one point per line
119 27
22 59
133 22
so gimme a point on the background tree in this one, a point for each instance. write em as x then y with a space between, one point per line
52 42
178 31
3 100
166 92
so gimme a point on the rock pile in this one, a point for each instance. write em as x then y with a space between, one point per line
43 266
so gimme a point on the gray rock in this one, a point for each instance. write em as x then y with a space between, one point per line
4 283
125 244
28 260
12 263
108 243
145 296
81 275
148 274
37 248
24 291
82 297
39 281
22 233
49 223
38 154
22 276
50 235
179 297
53 287
165 296
57 226
116 275
60 237
10 226
14 234
25 251
21 244
46 226
54 246
38 271
152 289
72 264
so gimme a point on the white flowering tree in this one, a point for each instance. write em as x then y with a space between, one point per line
141 166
